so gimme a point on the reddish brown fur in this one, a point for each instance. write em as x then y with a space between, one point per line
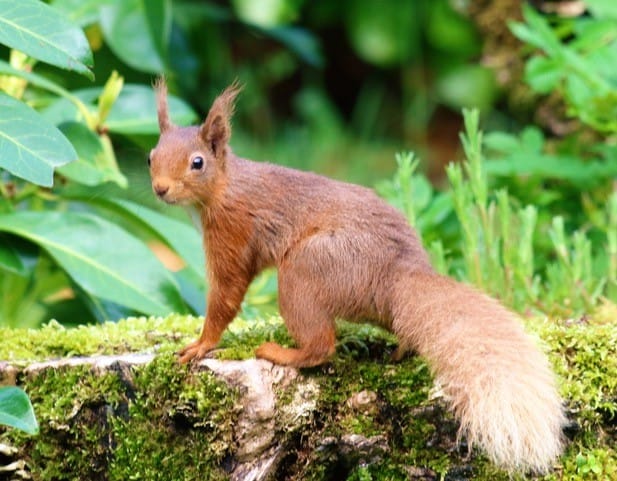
160 88
341 252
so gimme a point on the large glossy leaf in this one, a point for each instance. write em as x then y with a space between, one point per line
181 237
41 82
30 146
137 31
16 410
42 32
81 12
133 113
105 260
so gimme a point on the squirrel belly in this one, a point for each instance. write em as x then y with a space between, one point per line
342 252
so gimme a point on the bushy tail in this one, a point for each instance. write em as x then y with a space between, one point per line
497 382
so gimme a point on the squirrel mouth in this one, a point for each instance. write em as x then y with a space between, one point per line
168 200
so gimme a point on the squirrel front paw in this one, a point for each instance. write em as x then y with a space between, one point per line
195 351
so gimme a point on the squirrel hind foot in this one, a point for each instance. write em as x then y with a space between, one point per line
307 357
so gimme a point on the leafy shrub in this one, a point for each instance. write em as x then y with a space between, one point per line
70 242
497 239
576 61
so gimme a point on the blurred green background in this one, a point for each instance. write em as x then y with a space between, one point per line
334 87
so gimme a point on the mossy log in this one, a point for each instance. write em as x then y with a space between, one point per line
109 414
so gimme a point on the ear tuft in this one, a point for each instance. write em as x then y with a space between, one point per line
160 89
216 129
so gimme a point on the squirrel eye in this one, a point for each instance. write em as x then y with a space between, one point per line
149 161
197 163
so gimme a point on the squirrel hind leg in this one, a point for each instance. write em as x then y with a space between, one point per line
312 329
304 305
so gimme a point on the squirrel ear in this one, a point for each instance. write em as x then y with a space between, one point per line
160 88
216 129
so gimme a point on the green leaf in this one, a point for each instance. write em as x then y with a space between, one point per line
532 139
158 18
593 35
192 288
501 142
543 35
16 410
134 112
524 33
137 31
43 83
92 167
181 237
450 32
603 8
578 92
81 12
33 78
42 32
10 260
572 169
543 74
105 260
266 14
30 147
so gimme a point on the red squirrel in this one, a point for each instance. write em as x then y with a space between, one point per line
342 252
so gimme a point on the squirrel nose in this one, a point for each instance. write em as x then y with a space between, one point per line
161 190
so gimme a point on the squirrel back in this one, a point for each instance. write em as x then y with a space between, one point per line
342 252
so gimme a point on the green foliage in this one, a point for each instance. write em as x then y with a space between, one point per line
525 154
579 69
56 244
109 274
16 410
510 241
66 143
500 241
42 33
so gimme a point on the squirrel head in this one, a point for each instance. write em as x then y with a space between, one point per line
188 163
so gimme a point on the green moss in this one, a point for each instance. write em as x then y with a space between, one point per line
70 405
179 426
422 434
243 336
134 334
584 353
171 423
159 421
